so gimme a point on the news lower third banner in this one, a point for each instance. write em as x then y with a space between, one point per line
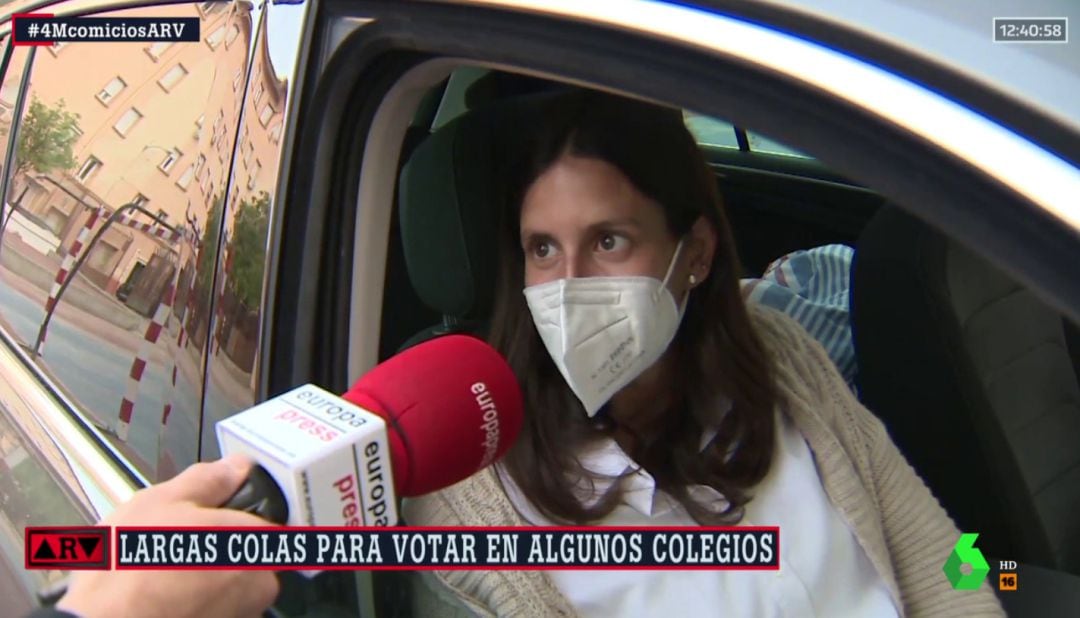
44 29
404 548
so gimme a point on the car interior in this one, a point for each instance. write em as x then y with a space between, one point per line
977 381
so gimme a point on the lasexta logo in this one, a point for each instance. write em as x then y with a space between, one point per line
65 548
965 552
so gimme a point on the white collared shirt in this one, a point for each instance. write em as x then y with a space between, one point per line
823 569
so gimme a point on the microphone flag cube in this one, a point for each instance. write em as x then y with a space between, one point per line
331 458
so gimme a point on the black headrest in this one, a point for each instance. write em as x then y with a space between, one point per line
451 194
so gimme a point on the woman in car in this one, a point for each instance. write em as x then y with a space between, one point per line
656 397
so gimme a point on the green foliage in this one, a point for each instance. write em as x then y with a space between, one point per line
46 138
204 268
247 249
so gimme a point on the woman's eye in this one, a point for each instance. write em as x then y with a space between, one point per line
611 242
542 249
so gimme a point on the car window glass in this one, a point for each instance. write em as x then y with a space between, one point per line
234 333
109 255
9 93
453 102
760 143
711 131
716 132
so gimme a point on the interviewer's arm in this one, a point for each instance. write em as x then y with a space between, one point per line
189 499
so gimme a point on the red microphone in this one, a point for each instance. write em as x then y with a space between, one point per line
451 407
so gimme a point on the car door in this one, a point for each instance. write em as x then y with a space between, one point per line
117 171
370 67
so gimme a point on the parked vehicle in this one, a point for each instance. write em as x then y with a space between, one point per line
271 152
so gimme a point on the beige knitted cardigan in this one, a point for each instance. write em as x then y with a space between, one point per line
902 528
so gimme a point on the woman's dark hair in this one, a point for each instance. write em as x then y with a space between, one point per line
717 356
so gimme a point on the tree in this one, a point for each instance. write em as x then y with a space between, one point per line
208 248
46 138
247 249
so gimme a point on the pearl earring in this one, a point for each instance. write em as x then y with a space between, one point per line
693 280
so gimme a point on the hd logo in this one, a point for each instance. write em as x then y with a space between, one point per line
965 552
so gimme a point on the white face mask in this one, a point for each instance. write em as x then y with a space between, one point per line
603 332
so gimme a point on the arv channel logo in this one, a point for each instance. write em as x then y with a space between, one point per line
965 552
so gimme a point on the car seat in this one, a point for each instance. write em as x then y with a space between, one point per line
974 378
451 194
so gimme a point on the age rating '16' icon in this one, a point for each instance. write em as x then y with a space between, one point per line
965 552
1007 580
64 548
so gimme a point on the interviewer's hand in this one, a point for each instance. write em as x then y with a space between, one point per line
186 500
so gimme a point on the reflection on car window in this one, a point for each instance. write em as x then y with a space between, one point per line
36 489
108 258
234 333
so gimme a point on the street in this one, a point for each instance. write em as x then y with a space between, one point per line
94 371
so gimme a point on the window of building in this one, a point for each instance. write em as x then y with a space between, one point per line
130 118
158 49
266 113
236 79
56 219
91 165
249 151
111 89
185 179
259 88
216 37
208 8
102 256
173 77
170 160
234 31
8 93
163 217
254 174
56 47
275 132
140 199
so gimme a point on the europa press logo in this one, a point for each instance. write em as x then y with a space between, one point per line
965 552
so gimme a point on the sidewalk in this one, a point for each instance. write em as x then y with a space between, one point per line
39 270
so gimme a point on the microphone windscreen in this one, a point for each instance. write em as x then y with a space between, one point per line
452 405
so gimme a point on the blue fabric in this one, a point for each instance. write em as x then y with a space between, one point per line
812 286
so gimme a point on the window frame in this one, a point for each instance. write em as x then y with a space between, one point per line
109 98
136 116
171 159
89 167
168 87
216 37
165 46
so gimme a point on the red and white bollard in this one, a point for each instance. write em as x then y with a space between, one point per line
69 262
138 366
